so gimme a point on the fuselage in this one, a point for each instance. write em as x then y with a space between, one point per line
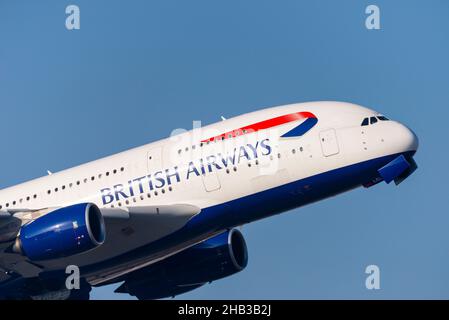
237 171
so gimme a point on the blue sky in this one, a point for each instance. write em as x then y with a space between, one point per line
138 69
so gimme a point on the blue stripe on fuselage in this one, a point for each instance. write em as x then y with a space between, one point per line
301 129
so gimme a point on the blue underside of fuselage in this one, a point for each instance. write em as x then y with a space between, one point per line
257 206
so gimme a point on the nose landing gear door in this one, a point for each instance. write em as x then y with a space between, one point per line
329 142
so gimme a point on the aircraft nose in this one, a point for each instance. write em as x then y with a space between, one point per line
407 138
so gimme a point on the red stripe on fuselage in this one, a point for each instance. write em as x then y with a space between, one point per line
273 122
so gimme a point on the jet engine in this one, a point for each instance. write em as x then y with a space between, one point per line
61 233
213 259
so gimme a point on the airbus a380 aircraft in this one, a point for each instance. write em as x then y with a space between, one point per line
161 218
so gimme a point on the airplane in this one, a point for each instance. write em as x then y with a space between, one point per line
163 219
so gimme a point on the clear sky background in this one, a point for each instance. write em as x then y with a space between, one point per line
138 69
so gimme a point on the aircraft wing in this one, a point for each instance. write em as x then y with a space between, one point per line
130 228
158 220
149 223
126 229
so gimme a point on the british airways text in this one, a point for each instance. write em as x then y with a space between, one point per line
203 166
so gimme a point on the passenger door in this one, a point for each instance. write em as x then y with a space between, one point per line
329 142
211 181
154 159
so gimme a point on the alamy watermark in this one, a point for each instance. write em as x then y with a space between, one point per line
73 20
72 282
208 145
372 282
372 21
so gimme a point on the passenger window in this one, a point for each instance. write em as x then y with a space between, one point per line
365 122
373 120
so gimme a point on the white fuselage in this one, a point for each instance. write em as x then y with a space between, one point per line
181 169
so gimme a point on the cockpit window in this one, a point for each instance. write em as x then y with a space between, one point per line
373 120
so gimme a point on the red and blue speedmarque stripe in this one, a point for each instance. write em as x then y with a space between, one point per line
310 121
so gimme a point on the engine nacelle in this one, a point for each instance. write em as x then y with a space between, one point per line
61 233
213 259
